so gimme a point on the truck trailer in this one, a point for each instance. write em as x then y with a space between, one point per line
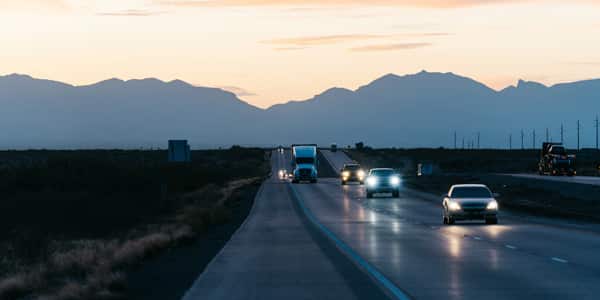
304 163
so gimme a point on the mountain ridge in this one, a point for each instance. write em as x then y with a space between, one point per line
412 110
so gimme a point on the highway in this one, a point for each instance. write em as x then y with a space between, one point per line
325 241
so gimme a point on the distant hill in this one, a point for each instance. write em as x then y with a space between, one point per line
417 110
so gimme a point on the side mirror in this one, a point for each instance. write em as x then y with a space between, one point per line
444 196
496 195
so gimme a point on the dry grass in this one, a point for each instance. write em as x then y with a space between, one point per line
92 269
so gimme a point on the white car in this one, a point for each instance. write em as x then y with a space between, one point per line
470 202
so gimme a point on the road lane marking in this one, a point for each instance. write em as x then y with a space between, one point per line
560 260
510 247
477 238
384 281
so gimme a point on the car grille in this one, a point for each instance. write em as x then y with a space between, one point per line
473 207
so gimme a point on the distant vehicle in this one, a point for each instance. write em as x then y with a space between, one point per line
283 174
554 160
304 162
280 149
334 147
383 180
352 173
470 202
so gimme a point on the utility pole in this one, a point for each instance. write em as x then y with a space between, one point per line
522 140
510 141
596 132
547 135
562 131
578 130
455 140
478 140
533 140
463 143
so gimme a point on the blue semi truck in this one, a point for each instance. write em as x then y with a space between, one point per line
304 163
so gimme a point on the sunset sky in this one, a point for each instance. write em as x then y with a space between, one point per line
270 51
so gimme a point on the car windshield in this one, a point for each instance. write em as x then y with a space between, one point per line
558 150
351 167
304 160
383 172
471 192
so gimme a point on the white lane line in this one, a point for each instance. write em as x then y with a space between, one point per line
477 238
510 247
560 260
384 281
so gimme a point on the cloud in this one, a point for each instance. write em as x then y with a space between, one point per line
289 48
32 5
131 13
414 3
238 91
322 40
586 63
390 47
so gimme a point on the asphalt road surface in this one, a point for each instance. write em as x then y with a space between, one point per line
574 179
326 241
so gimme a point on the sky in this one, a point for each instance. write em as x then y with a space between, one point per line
274 51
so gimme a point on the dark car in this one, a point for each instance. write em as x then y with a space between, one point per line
383 180
352 173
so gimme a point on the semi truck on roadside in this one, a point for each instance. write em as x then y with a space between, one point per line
555 160
304 163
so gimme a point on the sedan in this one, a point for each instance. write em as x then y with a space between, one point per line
470 202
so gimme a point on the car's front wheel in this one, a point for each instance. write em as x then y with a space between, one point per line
369 195
396 194
491 221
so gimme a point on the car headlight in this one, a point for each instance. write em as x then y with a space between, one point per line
372 181
346 174
453 206
493 205
395 181
360 173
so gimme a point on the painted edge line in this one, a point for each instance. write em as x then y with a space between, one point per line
388 284
189 292
560 260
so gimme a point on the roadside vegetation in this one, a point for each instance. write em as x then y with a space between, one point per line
72 223
481 166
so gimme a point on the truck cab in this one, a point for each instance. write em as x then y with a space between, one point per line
304 163
556 161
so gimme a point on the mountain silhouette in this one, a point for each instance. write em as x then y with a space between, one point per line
416 110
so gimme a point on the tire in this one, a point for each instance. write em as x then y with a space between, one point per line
361 183
313 181
344 183
396 194
369 195
294 181
444 220
491 221
451 221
